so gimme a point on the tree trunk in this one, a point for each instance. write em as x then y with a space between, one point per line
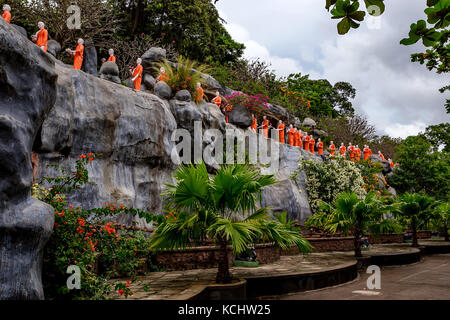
415 243
223 272
357 235
446 235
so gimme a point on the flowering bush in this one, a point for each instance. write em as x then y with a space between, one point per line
83 238
326 180
254 103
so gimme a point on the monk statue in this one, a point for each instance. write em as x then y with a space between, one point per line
162 75
6 13
111 55
41 37
217 100
200 93
77 54
137 75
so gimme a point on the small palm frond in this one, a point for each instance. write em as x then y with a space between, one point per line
240 234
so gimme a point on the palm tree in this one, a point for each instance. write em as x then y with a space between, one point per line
351 215
415 209
221 207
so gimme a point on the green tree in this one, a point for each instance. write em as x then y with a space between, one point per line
415 210
351 215
421 169
441 219
192 26
439 136
221 207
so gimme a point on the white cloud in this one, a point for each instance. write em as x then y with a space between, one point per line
399 130
397 96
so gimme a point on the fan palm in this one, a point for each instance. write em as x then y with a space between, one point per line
223 208
351 215
415 209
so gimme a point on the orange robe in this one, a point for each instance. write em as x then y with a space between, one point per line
332 149
391 164
312 145
78 58
163 77
358 154
382 157
138 72
42 39
300 140
217 101
112 58
265 126
352 152
291 134
370 152
366 154
306 145
281 132
7 16
342 150
297 138
254 125
200 94
320 147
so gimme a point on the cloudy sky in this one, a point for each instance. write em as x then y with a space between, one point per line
399 97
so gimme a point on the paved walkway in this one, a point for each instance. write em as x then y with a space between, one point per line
429 279
178 285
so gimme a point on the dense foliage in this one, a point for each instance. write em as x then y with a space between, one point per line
85 239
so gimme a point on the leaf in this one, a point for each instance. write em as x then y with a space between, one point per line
343 26
359 15
375 7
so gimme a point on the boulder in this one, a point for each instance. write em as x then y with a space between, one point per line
53 47
27 93
21 30
152 56
213 118
308 122
240 116
89 58
110 71
163 90
185 113
149 81
183 95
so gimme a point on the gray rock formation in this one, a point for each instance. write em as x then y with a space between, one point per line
308 122
183 95
149 81
89 58
163 90
25 223
21 30
151 56
240 116
110 71
53 47
132 131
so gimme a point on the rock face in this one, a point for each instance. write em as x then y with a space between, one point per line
20 29
289 194
163 90
240 116
308 122
151 56
110 71
53 47
183 95
27 92
149 81
89 58
130 129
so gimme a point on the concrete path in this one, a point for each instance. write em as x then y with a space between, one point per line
429 279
